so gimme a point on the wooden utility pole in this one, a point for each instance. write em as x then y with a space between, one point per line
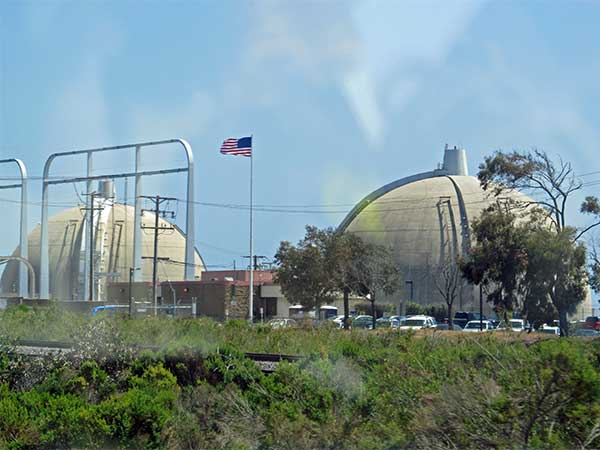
254 260
158 200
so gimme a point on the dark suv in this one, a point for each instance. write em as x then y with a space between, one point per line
462 317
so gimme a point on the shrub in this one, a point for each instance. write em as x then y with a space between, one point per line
370 390
229 365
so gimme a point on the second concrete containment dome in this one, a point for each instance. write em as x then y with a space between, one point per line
113 225
425 218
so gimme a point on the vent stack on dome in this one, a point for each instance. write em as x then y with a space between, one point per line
106 188
455 161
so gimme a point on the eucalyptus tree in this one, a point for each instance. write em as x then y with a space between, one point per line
556 274
498 258
551 185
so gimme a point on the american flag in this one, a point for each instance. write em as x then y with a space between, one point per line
235 146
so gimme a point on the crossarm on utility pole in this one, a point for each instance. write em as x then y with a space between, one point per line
157 202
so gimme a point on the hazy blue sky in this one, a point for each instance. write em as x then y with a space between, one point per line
341 97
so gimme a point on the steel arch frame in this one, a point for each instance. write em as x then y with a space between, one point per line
89 178
23 242
29 267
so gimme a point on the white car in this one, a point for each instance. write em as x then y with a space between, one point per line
474 326
517 325
339 320
548 329
418 323
282 323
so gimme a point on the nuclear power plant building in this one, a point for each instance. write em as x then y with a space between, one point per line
69 238
426 220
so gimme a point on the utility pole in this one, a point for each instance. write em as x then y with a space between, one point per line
158 200
91 210
253 266
254 260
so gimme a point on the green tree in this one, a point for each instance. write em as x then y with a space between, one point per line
304 270
551 185
594 275
367 269
499 257
527 265
326 263
556 271
447 279
348 247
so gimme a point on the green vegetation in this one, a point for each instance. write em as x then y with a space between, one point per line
525 265
328 262
540 263
358 389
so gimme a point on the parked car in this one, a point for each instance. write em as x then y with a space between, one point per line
398 318
461 318
282 323
387 322
518 325
446 326
495 322
549 329
586 332
592 323
363 321
512 325
338 320
418 323
475 326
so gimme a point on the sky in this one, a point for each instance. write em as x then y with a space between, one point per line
340 97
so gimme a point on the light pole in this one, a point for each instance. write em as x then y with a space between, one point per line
410 282
371 298
131 271
480 306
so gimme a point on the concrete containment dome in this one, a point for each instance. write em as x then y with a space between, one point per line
113 251
424 218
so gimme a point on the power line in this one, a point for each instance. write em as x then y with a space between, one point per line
588 173
373 207
221 249
316 208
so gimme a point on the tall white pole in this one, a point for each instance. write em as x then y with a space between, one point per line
137 217
251 300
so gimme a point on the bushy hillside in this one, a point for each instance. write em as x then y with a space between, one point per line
359 389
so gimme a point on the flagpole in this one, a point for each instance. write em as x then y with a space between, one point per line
251 299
